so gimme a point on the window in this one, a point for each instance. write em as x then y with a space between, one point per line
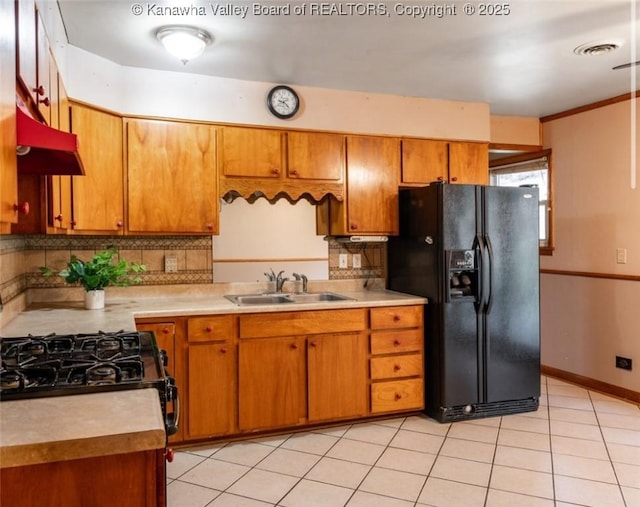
529 170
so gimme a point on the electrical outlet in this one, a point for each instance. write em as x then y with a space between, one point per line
621 255
357 261
624 363
343 260
170 264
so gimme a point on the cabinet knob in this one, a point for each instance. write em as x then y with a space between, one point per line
275 172
208 329
313 344
396 343
293 172
396 367
73 223
397 396
165 330
294 346
39 90
58 218
396 318
46 101
169 455
209 227
119 223
440 178
223 350
353 227
22 208
455 178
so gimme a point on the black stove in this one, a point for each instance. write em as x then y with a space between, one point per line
56 365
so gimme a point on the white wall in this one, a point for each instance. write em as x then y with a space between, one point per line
586 322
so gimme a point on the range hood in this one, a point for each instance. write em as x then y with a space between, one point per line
45 150
358 239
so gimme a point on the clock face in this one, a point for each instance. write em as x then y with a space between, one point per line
283 102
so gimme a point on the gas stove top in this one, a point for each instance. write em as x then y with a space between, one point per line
55 365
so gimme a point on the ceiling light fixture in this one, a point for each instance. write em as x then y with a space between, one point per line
184 42
597 48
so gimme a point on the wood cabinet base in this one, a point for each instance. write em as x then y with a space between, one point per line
127 480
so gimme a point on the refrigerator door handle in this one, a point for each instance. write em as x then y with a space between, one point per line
479 247
490 295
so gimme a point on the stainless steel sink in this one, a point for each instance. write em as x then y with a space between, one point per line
279 299
259 299
317 297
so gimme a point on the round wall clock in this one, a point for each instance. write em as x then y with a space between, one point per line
283 102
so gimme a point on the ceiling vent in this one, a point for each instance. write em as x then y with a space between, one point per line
597 48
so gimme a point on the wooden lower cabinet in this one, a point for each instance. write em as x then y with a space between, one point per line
337 376
212 390
272 380
243 373
136 479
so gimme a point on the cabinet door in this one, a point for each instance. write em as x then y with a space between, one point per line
8 159
212 390
337 376
271 383
249 152
469 163
315 156
172 184
373 173
44 94
98 196
26 38
424 161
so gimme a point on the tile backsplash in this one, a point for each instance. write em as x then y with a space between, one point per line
22 256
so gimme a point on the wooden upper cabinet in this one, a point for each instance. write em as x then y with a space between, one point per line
315 156
373 174
251 152
26 38
171 175
45 94
98 196
424 161
469 163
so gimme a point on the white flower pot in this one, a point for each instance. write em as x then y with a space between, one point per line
94 299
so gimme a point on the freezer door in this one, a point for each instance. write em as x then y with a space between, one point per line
512 319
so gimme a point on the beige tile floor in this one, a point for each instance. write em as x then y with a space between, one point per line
579 448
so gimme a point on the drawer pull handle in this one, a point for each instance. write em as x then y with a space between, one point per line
396 318
208 329
396 343
398 396
396 367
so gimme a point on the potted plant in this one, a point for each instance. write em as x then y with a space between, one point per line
99 272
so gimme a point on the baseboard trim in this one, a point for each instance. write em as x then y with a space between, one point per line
592 384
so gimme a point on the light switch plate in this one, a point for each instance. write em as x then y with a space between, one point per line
621 255
343 260
357 261
170 264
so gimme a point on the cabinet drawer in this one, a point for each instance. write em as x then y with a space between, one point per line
395 317
393 342
208 329
261 325
397 395
409 365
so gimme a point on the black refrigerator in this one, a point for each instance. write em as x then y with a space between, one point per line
472 251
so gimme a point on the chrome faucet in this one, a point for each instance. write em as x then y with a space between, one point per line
304 279
280 281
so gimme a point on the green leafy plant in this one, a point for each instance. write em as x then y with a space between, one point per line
101 271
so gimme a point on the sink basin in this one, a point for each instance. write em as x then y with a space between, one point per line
259 299
278 299
317 297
